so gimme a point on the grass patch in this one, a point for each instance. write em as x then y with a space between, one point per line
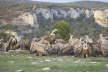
56 64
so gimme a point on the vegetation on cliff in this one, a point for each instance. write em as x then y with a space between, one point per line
63 28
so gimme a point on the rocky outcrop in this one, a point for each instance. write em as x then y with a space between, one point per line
101 17
63 13
25 18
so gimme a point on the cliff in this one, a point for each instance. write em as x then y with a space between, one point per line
36 19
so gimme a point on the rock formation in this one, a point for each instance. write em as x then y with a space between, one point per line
101 17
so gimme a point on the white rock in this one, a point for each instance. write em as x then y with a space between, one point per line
46 69
101 17
93 62
48 60
41 61
77 61
11 61
34 63
19 71
73 13
106 65
27 18
30 57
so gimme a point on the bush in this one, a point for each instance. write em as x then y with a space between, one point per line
63 29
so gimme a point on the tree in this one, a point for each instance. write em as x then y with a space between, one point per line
63 29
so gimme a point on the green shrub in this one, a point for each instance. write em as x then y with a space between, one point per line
63 29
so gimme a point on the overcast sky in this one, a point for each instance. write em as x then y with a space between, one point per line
68 0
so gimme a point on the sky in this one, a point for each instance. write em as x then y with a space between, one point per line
61 1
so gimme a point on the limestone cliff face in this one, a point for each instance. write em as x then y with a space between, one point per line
41 18
26 18
26 23
31 18
35 17
63 13
101 17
